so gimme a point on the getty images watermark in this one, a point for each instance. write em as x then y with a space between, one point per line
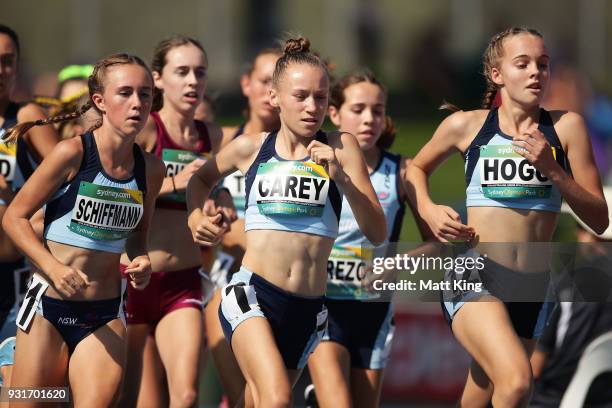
508 271
404 263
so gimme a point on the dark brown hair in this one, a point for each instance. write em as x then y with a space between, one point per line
337 99
95 83
12 35
251 67
296 51
266 51
159 61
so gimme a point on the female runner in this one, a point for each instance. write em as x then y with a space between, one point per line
98 191
272 310
536 148
166 318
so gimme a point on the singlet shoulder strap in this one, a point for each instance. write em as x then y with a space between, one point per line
266 151
202 129
56 208
140 169
10 115
547 127
394 234
239 131
489 128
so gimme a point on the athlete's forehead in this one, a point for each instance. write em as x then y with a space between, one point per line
305 76
265 63
186 55
7 46
364 93
127 75
525 46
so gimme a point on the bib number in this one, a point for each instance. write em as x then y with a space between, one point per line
344 271
235 183
175 161
106 213
8 161
506 174
36 289
291 188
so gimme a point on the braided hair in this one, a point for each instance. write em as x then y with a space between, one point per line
491 57
96 85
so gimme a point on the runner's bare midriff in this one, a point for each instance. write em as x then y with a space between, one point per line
524 234
293 261
170 244
100 267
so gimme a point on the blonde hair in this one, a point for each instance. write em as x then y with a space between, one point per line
493 53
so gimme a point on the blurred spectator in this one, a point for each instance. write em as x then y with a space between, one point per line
570 90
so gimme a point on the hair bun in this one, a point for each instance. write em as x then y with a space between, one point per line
297 45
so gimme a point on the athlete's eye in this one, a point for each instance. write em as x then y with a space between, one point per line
200 73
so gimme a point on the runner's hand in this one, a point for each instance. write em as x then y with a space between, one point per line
533 146
68 281
225 203
208 230
446 225
182 177
139 272
324 155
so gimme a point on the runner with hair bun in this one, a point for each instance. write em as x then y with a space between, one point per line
256 83
272 310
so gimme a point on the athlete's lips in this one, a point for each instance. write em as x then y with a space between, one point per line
367 132
191 97
535 85
310 121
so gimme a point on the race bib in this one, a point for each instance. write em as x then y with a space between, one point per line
235 183
506 174
175 161
36 289
345 266
106 213
291 188
8 160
